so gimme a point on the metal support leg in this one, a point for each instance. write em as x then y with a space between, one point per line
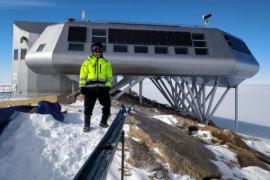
203 99
236 108
123 156
212 95
157 84
140 91
218 103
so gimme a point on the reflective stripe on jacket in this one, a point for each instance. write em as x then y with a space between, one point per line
96 72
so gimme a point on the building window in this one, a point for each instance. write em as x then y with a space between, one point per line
75 47
77 34
201 51
99 32
23 53
100 36
198 36
237 44
199 43
120 48
161 50
96 39
16 54
41 47
140 49
179 50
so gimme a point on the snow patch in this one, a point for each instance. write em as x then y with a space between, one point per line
223 153
204 135
258 145
168 119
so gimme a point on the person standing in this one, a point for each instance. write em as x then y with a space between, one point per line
95 83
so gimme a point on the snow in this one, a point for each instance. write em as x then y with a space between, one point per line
261 145
227 164
222 153
255 172
204 135
156 150
35 146
168 119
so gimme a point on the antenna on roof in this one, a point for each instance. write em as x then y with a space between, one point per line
83 16
206 18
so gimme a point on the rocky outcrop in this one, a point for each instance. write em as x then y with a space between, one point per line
177 148
184 154
141 156
246 156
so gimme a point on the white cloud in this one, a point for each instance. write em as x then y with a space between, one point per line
25 3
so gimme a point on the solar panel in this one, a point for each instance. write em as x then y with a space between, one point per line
77 34
147 37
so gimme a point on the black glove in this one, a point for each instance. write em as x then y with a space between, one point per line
107 88
83 90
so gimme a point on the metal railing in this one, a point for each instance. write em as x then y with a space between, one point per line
97 165
5 88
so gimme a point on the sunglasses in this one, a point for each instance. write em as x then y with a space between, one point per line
97 51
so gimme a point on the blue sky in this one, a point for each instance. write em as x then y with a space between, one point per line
247 19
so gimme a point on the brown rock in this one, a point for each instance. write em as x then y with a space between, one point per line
246 156
185 154
141 157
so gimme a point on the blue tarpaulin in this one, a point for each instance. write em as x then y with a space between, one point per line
43 107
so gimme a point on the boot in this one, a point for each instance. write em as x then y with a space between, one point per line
86 123
103 123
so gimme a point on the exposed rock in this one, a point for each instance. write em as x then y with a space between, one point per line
246 156
161 174
141 157
183 153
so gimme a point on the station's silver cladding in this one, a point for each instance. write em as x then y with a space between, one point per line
180 61
221 60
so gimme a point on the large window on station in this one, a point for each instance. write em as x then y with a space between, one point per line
99 32
148 37
77 34
120 48
161 50
16 54
201 51
140 49
23 53
237 44
199 43
100 36
181 50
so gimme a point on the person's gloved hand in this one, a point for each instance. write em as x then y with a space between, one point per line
83 90
107 88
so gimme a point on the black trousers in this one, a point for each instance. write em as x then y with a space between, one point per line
100 93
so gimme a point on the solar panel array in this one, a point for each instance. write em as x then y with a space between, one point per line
148 37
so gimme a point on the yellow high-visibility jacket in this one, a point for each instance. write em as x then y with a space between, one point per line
96 72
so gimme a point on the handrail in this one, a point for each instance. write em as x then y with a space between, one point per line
98 163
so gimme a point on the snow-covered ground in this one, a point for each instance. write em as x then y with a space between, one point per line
35 146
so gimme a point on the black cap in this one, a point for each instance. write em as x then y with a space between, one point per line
97 45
